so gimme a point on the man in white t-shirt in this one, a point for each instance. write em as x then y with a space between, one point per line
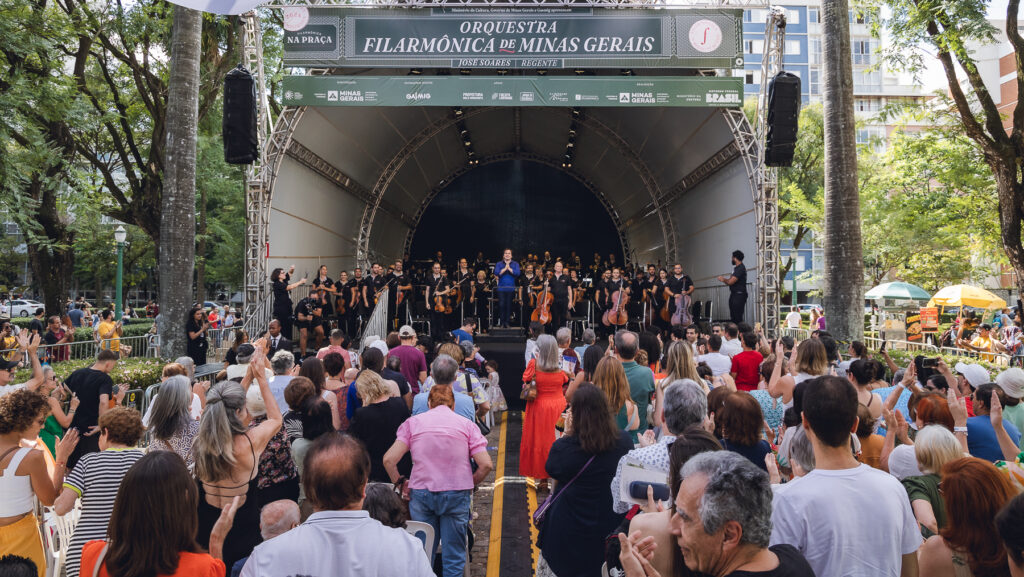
794 321
731 344
715 360
27 347
848 519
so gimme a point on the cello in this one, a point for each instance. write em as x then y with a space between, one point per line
542 312
665 313
616 315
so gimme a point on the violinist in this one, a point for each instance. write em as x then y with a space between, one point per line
601 294
595 268
463 281
341 300
526 284
354 288
366 292
507 271
641 292
563 295
480 264
480 298
680 285
398 283
436 294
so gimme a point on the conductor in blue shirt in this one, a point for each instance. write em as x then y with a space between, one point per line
507 271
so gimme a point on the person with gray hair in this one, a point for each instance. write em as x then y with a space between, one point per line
641 378
723 522
544 410
589 338
189 365
443 371
685 405
276 518
170 422
242 358
283 365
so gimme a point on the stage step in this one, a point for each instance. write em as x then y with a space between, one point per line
504 335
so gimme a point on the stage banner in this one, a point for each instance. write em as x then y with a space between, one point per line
615 91
349 37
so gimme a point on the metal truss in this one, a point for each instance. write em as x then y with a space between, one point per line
522 3
767 183
530 157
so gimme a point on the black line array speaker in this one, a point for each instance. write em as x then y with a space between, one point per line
783 115
241 139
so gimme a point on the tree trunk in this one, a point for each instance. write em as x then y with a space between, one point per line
1011 212
844 273
201 248
177 222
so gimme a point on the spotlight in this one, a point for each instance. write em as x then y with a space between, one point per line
502 72
580 72
458 113
542 72
626 72
465 71
415 71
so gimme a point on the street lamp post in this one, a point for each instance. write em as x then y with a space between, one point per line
120 234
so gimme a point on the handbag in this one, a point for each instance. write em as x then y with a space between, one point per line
541 512
484 429
99 560
529 392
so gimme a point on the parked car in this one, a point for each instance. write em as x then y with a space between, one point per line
806 309
19 308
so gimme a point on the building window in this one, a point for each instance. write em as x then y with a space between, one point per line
865 105
814 81
814 50
863 50
793 47
748 15
812 16
753 46
752 77
860 16
792 16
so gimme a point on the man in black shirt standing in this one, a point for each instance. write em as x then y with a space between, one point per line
737 283
398 283
94 389
563 297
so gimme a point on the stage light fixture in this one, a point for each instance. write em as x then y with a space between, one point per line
415 71
465 71
542 72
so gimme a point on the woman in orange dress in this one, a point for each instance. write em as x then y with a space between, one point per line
543 412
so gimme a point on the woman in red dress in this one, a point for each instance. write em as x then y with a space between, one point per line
543 412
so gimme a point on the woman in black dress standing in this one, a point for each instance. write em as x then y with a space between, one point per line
282 302
195 328
481 299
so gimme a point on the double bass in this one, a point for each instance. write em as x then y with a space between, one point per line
542 313
616 314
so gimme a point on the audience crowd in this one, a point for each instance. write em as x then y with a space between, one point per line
724 454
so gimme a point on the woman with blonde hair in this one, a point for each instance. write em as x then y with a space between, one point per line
679 364
809 361
376 423
611 378
542 412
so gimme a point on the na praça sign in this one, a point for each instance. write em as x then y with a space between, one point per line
515 38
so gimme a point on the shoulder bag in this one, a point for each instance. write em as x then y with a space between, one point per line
484 429
541 512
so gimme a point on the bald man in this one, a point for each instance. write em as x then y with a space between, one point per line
276 518
339 538
641 378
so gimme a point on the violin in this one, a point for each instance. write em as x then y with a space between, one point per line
542 313
616 315
339 303
355 296
441 304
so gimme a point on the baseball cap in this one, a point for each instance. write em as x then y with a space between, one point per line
1011 381
245 350
976 375
406 331
8 365
380 346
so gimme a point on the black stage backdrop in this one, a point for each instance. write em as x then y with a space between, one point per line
524 205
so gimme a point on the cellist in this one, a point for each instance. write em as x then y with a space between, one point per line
616 283
659 300
526 284
680 285
436 294
564 299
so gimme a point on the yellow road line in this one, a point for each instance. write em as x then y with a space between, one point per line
498 497
531 507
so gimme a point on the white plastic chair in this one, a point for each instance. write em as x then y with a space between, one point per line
424 532
58 530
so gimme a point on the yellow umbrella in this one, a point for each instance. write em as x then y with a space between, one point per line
962 295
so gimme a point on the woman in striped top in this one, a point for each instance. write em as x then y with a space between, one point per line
97 477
